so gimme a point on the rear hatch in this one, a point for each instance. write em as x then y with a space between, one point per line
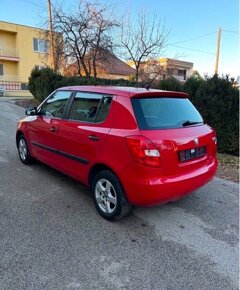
177 130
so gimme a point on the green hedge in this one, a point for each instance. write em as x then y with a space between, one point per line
43 82
218 102
216 98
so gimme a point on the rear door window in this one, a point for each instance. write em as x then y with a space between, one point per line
90 107
165 113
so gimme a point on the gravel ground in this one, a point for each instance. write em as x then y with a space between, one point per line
228 167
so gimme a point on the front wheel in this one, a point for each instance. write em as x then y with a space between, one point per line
23 150
109 197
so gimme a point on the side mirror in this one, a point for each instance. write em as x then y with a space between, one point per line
31 111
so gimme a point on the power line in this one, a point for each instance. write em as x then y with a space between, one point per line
32 3
198 37
231 31
195 38
197 50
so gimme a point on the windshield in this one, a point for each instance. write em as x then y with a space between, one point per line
164 113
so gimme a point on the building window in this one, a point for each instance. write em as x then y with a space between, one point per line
40 45
182 73
1 69
39 67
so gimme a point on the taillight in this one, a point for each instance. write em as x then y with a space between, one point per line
143 150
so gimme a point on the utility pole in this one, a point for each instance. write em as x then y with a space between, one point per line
52 52
218 50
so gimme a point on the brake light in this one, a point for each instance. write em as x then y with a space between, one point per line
143 150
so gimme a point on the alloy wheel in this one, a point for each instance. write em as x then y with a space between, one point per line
22 147
106 196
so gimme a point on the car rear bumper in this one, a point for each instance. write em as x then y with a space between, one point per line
147 190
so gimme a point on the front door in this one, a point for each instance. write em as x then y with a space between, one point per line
43 131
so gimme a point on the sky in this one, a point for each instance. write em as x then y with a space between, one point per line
192 25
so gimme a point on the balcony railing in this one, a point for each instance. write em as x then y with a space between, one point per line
9 52
9 78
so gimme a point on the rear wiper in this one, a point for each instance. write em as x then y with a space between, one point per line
189 123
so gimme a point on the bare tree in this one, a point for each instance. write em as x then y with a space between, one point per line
143 40
84 32
101 40
151 71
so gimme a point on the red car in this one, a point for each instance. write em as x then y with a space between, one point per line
132 146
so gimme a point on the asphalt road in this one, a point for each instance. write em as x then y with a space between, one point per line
51 236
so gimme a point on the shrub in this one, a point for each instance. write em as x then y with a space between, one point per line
218 102
170 84
83 81
192 84
43 82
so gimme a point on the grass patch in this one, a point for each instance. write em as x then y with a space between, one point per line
227 160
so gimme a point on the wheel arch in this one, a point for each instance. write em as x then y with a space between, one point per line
122 206
96 168
18 134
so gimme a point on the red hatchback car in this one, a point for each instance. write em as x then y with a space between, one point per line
132 146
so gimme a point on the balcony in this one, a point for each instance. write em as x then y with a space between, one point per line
9 53
10 83
9 78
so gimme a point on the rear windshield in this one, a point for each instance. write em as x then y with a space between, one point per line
164 113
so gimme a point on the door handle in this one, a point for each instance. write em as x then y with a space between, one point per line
93 138
53 129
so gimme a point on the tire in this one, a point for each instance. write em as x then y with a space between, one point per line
23 150
109 197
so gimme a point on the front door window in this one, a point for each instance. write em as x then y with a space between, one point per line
55 105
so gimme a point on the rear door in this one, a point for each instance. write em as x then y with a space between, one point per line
82 135
177 129
43 130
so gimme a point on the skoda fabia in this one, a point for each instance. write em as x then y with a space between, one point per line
131 146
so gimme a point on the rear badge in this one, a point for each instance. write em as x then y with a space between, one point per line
196 141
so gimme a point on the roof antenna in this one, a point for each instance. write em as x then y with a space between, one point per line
149 84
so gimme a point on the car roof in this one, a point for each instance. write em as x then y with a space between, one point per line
126 91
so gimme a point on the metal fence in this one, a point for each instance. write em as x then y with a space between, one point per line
13 86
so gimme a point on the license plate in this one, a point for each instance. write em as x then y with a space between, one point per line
189 154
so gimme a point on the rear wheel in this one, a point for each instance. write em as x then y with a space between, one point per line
109 197
23 150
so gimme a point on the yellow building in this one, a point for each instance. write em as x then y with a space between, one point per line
21 49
